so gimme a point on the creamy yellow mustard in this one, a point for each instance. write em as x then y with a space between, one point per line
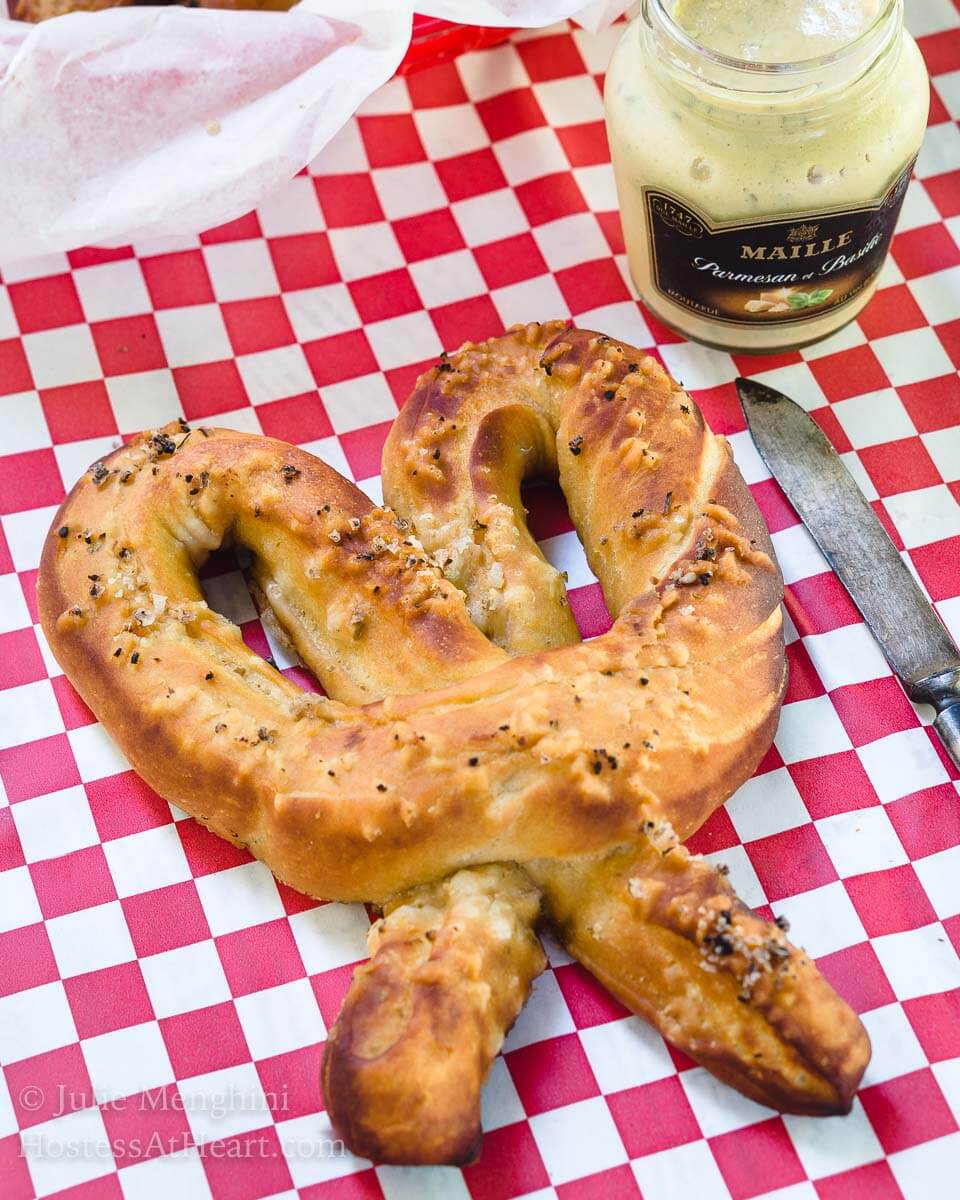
775 31
745 145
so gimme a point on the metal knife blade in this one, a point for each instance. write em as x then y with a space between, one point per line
915 643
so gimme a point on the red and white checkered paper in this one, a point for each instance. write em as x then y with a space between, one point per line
163 1002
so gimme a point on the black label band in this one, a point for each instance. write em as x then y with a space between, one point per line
796 268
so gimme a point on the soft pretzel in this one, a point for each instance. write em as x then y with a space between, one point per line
43 10
578 768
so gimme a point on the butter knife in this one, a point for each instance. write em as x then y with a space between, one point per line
920 651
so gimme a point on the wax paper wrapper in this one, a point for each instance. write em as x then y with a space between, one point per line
134 123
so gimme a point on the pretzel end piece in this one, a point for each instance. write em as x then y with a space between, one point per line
451 967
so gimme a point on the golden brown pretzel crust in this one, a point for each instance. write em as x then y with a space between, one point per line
450 969
570 760
42 10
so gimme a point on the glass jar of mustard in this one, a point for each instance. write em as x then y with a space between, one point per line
762 150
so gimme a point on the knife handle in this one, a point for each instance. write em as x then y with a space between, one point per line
943 692
947 726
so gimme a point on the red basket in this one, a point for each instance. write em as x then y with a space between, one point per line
435 41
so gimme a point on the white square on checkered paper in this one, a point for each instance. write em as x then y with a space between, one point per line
450 130
683 1173
43 265
896 1048
446 278
717 1107
180 1175
34 1021
926 515
90 939
364 250
185 978
18 900
356 403
112 289
570 241
545 1015
330 936
192 335
127 1061
938 294
28 713
428 1183
948 84
940 151
95 752
515 303
275 374
14 613
241 270
943 446
947 1075
302 1138
530 155
626 1053
929 1170
822 920
221 1104
874 418
61 356
598 187
239 898
827 1147
918 962
144 399
810 729
570 101
499 1102
141 862
67 1151
490 217
902 763
577 1139
940 876
912 356
846 655
24 425
402 340
55 824
698 366
278 1019
492 72
930 16
766 804
861 840
409 190
918 210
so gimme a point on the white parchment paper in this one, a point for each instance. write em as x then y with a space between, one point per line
139 122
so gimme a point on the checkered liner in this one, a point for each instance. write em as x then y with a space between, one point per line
163 1002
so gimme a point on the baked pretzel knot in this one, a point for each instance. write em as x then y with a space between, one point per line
475 767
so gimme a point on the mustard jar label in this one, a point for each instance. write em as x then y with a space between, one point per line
767 272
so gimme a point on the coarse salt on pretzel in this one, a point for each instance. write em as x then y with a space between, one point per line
509 771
